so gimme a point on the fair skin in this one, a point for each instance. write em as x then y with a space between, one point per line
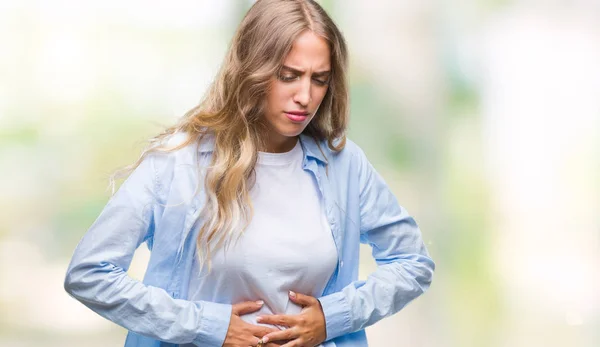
304 329
291 103
299 88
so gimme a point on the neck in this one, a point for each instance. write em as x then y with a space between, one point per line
280 145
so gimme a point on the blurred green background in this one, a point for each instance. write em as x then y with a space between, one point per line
483 116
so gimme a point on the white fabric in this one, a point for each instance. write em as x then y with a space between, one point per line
287 246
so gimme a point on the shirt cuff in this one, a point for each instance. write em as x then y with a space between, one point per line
337 315
214 324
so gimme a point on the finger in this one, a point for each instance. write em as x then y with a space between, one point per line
260 331
277 319
254 341
301 299
287 334
277 343
247 307
293 343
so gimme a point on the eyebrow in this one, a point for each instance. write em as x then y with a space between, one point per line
300 72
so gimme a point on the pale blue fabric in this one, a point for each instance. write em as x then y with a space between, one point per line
160 204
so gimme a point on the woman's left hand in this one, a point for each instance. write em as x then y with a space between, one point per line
304 329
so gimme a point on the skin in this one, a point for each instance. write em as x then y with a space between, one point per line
245 334
305 329
300 86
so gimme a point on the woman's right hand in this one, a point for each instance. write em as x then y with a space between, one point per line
245 334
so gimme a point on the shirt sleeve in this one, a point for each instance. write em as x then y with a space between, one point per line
404 268
97 274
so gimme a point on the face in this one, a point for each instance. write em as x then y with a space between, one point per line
298 90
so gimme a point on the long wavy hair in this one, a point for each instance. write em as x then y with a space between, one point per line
232 110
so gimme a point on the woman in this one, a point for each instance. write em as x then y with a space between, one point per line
254 206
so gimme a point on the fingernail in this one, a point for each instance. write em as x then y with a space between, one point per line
265 339
260 302
259 319
292 294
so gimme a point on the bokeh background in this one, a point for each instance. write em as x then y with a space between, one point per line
483 116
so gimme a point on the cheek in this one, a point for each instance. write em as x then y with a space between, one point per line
277 97
319 96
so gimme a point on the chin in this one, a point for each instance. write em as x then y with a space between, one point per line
291 130
294 133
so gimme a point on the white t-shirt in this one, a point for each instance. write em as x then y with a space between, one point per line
287 246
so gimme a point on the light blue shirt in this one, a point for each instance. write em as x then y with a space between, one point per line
157 204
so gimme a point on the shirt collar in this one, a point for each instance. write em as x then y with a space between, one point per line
311 148
207 143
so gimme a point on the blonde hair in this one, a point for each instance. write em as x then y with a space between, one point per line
233 105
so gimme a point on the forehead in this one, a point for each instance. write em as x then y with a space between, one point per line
309 52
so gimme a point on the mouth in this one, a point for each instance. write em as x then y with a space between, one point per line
296 116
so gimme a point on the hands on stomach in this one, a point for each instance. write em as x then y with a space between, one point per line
245 334
304 329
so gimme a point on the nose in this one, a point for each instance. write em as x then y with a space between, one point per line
303 94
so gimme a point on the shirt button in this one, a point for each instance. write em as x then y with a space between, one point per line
342 263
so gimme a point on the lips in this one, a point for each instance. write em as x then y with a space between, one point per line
297 113
297 116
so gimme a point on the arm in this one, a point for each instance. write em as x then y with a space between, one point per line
404 268
97 275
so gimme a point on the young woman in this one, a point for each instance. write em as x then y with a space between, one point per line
254 206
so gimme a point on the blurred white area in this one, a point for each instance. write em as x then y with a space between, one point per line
541 103
66 50
32 290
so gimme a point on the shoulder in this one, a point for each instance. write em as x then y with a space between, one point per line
351 153
175 158
352 148
183 147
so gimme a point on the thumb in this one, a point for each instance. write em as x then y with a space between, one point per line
246 307
301 299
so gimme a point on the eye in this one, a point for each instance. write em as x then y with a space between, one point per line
321 82
288 78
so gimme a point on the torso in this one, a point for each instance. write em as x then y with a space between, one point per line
287 246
